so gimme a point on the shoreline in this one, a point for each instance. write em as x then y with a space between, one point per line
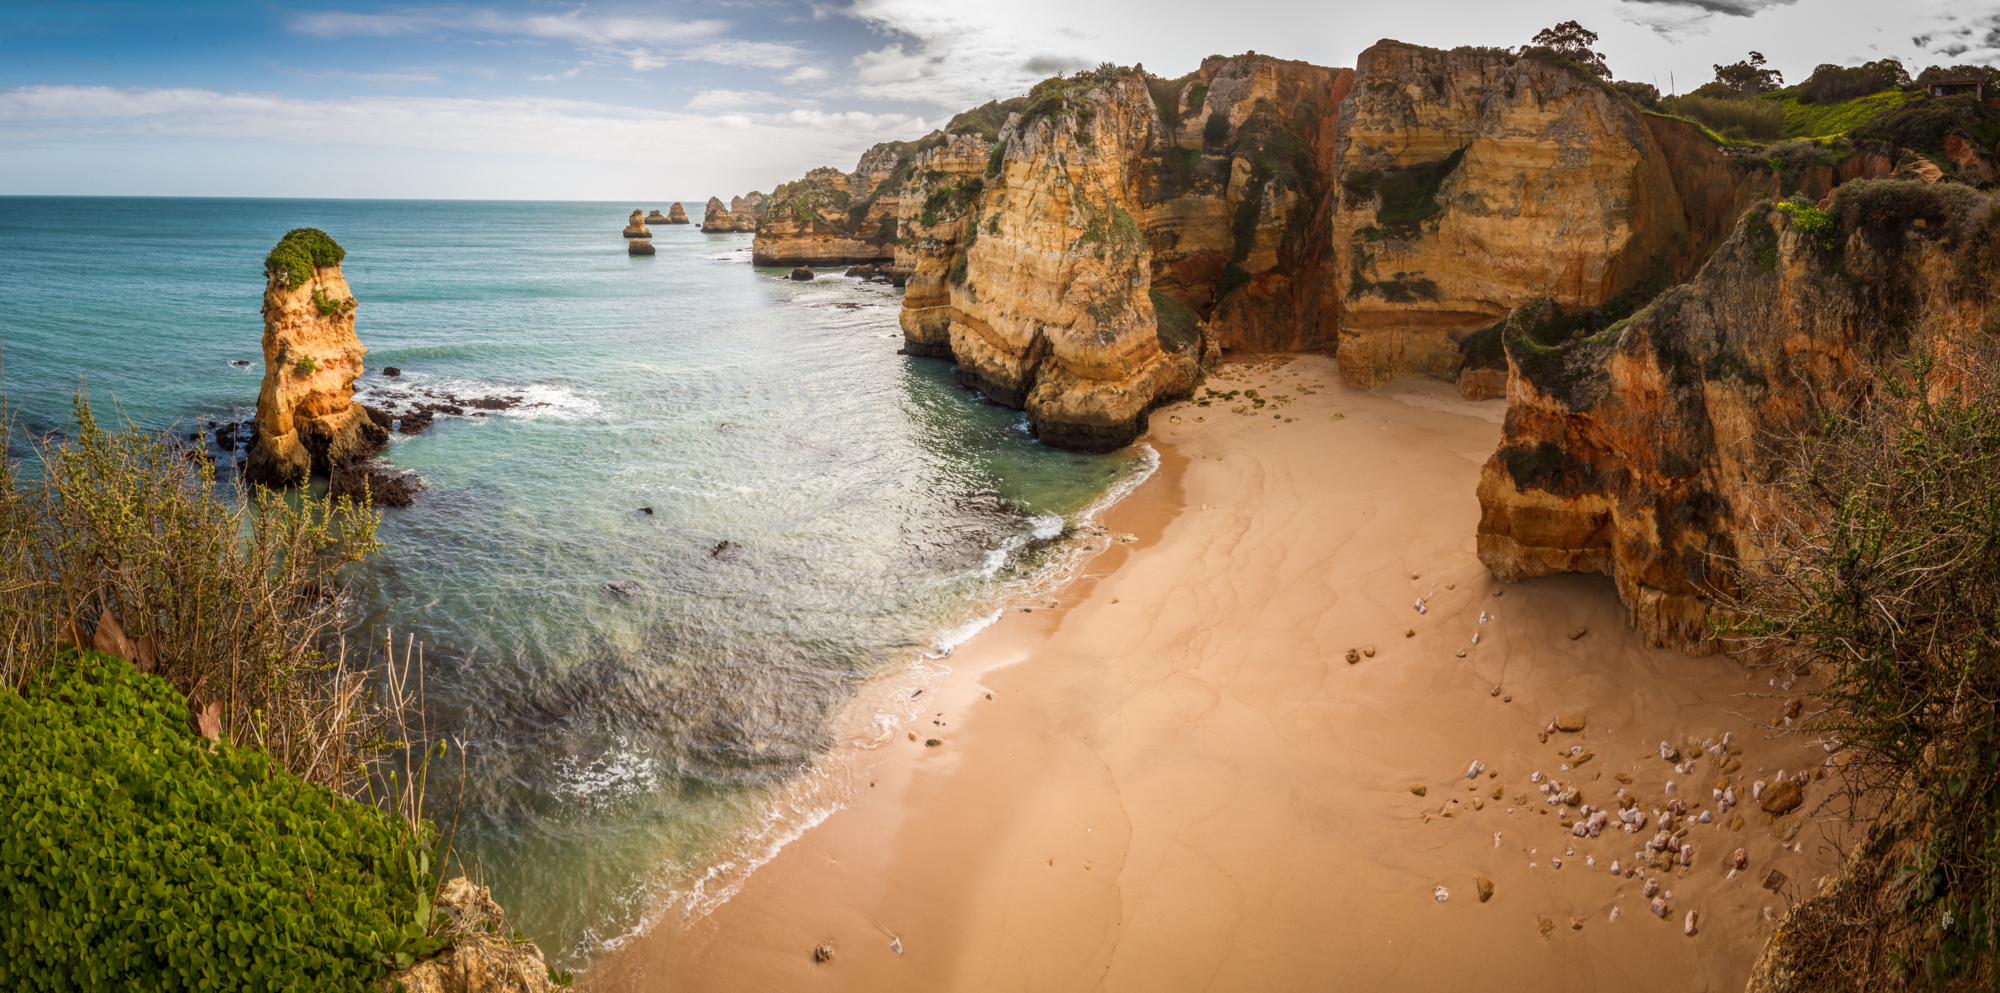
1176 781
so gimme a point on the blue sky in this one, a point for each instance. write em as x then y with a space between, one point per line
651 100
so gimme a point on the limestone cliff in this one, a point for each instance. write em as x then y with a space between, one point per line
948 176
1631 447
1238 200
307 420
1474 180
722 218
676 214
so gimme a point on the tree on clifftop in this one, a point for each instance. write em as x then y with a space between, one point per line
1749 77
1572 41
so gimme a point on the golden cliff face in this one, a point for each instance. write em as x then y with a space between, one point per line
948 178
1239 197
1051 305
307 420
1632 450
1472 181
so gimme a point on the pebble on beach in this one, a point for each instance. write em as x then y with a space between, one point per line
1419 789
1485 887
1441 893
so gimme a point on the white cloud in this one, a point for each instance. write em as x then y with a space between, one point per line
758 54
731 99
804 74
889 65
339 24
603 32
554 77
736 151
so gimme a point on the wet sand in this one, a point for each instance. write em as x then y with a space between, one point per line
1176 781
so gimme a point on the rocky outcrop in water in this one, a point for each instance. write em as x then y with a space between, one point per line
655 217
636 226
307 421
676 214
832 218
1631 446
740 215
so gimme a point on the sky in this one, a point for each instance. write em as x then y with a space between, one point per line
687 99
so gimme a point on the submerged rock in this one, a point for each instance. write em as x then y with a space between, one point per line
367 482
802 274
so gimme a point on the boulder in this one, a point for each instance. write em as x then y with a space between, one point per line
1782 798
639 246
482 958
802 274
391 371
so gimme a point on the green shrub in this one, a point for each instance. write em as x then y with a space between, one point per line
1923 122
136 855
1809 221
1884 208
1179 327
1878 575
1760 119
228 592
328 306
1644 94
987 119
305 366
301 252
1216 131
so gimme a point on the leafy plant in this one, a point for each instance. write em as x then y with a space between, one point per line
329 306
305 366
1749 77
1809 221
1572 41
229 595
1836 84
137 855
301 253
1759 119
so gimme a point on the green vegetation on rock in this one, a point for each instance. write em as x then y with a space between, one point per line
301 252
1409 194
139 855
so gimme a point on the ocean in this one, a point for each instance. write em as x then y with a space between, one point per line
828 518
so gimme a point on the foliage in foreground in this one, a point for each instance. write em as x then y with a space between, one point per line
137 855
1880 574
228 600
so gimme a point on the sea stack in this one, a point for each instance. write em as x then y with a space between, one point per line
656 217
677 215
639 246
307 420
637 227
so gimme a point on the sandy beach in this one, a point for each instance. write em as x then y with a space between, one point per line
1176 780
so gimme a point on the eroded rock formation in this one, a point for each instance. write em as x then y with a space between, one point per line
483 958
722 218
1631 449
307 420
655 217
676 214
1473 180
636 227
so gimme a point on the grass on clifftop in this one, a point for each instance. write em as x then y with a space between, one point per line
1821 120
302 250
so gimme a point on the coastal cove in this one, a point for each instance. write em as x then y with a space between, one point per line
1176 780
825 514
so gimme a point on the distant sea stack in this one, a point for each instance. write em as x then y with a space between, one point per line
739 216
307 420
656 218
637 227
638 246
676 215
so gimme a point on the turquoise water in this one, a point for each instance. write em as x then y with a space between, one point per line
624 753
